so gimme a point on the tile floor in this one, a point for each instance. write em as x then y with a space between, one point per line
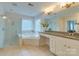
26 51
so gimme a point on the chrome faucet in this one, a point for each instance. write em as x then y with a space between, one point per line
71 34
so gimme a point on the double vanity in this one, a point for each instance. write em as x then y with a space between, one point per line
61 43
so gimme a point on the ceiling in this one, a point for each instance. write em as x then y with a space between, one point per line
23 8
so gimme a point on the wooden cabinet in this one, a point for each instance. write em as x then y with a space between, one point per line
72 48
64 46
60 46
52 44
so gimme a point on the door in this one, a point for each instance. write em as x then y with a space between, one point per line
2 32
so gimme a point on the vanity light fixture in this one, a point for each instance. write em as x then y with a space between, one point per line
49 9
66 4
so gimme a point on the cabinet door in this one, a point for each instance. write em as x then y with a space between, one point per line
60 46
52 44
72 47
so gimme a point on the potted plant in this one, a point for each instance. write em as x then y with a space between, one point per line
45 26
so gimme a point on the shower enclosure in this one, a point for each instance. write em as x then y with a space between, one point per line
9 30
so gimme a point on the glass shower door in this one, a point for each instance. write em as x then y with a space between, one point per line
2 32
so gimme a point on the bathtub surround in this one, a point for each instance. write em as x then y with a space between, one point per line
29 39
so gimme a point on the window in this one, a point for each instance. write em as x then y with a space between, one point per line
27 25
71 26
37 26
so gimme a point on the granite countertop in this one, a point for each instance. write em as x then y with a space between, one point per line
74 36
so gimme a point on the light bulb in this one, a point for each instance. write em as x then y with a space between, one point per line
4 17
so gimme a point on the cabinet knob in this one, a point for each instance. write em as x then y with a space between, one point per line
64 45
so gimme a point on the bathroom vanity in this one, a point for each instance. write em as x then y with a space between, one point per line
62 43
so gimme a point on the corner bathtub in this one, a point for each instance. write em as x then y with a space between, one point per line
29 38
